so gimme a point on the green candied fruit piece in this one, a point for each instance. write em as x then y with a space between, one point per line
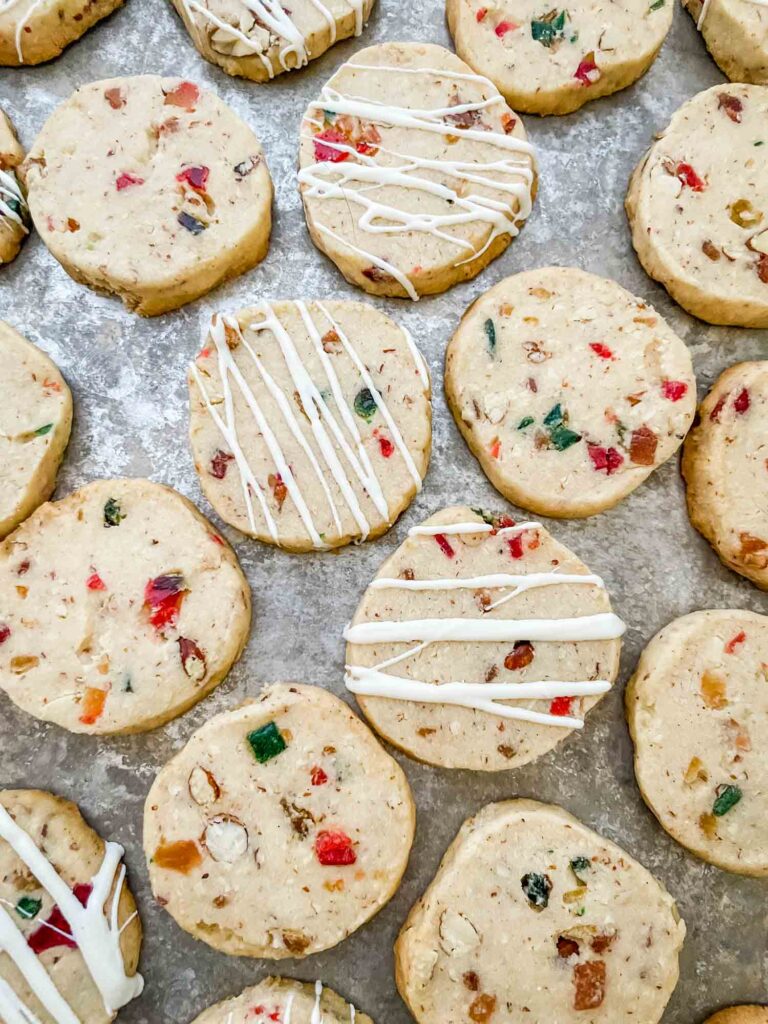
580 865
726 799
526 421
28 907
490 332
113 514
562 438
555 416
266 742
547 29
45 429
365 405
537 889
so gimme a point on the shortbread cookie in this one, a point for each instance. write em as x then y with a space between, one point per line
284 1001
736 34
173 195
14 211
280 828
698 712
533 917
481 643
415 174
698 206
33 31
569 390
740 1015
69 930
310 422
724 465
120 607
35 421
554 60
259 39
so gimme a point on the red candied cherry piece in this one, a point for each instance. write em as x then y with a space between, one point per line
330 154
185 95
334 848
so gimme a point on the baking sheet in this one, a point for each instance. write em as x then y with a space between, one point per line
128 379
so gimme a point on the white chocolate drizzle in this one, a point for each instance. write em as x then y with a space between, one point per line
10 192
21 24
325 427
97 936
486 696
276 20
511 175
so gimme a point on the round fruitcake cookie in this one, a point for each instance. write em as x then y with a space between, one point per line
569 390
740 1015
414 173
596 937
69 929
310 422
35 421
280 828
698 206
174 194
736 34
33 31
698 712
259 39
554 60
120 607
481 643
726 472
284 1001
14 212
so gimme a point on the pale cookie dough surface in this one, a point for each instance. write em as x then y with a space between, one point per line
282 1001
173 196
85 956
33 31
261 39
553 60
533 918
736 34
120 607
35 421
14 211
740 1015
310 421
698 206
395 173
726 473
280 828
569 390
698 712
415 598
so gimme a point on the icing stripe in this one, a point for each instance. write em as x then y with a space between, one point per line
603 626
10 192
418 358
454 529
493 581
12 1010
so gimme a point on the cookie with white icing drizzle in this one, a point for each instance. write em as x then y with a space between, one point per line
726 473
596 937
284 1001
736 35
14 211
569 390
33 31
280 828
69 929
481 643
414 172
35 421
697 707
173 195
310 421
553 60
120 607
698 206
259 39
740 1015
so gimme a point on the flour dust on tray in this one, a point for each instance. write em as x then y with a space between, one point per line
415 174
725 472
736 34
698 712
151 189
569 390
70 934
554 61
280 828
310 421
120 607
534 918
34 31
35 422
283 1001
698 206
481 642
259 39
14 211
